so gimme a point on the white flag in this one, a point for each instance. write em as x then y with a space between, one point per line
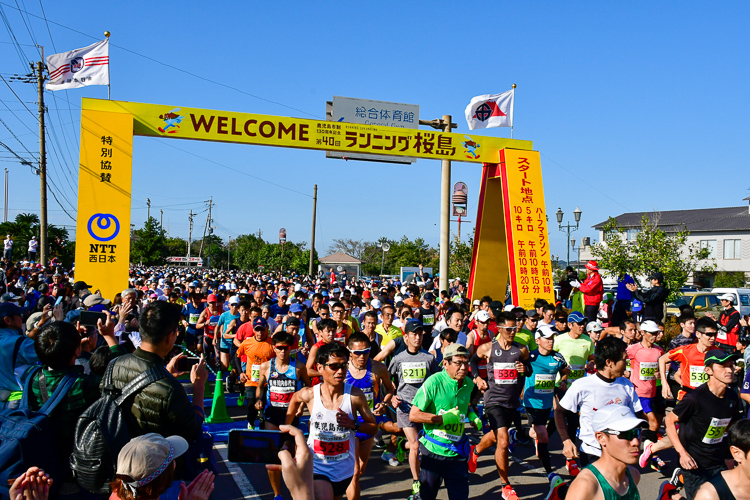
490 110
80 67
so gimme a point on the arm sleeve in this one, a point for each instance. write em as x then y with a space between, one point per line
474 364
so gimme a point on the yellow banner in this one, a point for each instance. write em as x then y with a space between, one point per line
179 122
104 184
526 228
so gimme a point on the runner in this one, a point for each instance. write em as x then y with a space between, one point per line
386 330
539 393
190 315
369 376
258 350
592 393
505 360
333 406
338 314
207 322
733 484
578 351
280 378
690 357
703 416
525 334
410 368
327 327
230 332
225 342
442 406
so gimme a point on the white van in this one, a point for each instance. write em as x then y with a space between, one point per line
742 298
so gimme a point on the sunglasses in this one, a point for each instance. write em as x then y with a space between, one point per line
360 352
509 328
281 347
337 366
626 435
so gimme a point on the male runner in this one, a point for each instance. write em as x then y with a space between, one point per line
386 330
342 332
539 392
190 315
230 333
442 406
333 406
733 484
280 378
690 357
207 322
703 416
409 369
369 376
225 342
326 329
501 394
428 316
258 350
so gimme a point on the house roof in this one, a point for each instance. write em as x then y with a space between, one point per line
699 220
339 258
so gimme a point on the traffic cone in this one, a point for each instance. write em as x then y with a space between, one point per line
219 405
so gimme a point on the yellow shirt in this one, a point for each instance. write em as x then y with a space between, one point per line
393 333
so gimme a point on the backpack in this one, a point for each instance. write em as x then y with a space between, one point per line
27 437
102 430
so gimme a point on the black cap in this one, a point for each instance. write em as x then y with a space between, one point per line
719 356
413 325
428 296
657 276
80 285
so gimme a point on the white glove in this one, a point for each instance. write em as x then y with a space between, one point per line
575 284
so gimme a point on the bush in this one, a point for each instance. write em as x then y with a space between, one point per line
726 279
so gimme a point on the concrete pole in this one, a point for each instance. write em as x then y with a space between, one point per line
42 169
312 238
445 219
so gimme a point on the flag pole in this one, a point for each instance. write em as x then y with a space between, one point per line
106 34
511 110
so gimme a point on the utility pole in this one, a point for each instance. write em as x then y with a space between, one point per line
148 203
42 167
210 231
190 233
312 238
5 205
161 220
207 229
445 202
229 255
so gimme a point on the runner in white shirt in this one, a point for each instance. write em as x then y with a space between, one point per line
605 387
454 319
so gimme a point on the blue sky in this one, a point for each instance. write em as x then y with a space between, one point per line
634 106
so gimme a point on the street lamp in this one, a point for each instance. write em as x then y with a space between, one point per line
385 246
568 228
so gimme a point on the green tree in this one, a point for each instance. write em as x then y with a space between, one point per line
459 265
652 250
148 245
247 251
27 225
176 247
726 279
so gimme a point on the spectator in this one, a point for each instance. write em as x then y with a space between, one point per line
145 470
16 351
164 406
653 299
592 288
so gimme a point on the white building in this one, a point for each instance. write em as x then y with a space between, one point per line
725 232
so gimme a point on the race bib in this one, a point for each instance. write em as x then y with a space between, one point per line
544 383
255 373
716 430
331 446
505 373
698 376
428 319
193 318
281 396
414 373
453 432
576 372
340 337
370 396
648 370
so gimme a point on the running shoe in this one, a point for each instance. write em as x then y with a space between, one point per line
555 484
415 495
643 459
241 399
380 444
473 457
509 493
401 449
657 463
512 440
666 491
572 467
677 478
230 388
522 436
390 458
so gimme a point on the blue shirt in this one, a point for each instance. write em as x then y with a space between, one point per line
276 310
26 356
540 385
224 320
192 313
622 291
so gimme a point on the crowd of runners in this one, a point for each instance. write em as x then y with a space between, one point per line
435 380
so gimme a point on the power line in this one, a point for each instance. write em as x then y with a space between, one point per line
21 54
19 99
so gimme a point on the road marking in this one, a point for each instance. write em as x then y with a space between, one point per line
240 479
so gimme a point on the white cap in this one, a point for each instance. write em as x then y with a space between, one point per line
234 299
594 326
375 303
244 291
615 417
727 296
297 287
476 302
458 300
509 308
483 316
545 331
649 326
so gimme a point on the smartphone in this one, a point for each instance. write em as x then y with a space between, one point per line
89 318
258 446
59 301
186 364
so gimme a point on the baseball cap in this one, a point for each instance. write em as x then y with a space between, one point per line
428 296
496 306
283 293
413 325
9 309
80 285
650 326
212 298
657 276
532 313
296 308
607 296
718 356
375 303
617 418
544 331
576 317
594 326
260 323
234 299
727 296
637 305
483 316
292 321
9 297
476 302
455 349
94 300
146 457
592 265
366 294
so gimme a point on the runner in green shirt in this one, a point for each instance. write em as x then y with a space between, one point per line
442 405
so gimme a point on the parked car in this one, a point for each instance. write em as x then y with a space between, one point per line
741 298
701 303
